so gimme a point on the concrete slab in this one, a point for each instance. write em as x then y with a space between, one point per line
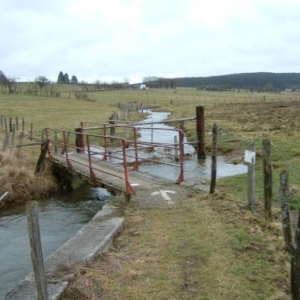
90 241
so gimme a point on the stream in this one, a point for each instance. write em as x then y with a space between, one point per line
60 217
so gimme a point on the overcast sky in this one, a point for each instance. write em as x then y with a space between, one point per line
110 40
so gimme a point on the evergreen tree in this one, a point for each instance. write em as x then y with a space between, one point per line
3 78
74 80
66 78
61 78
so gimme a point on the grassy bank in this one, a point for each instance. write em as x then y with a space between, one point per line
208 247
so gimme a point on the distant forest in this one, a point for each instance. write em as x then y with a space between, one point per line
253 81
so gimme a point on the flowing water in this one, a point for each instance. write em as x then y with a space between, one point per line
60 217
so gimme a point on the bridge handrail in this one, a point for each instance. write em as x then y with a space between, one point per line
87 149
178 147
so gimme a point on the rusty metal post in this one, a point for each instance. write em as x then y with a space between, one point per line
65 147
129 189
92 174
200 131
175 148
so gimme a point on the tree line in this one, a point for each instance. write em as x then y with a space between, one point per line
261 81
254 81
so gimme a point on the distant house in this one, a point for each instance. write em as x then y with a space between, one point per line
139 86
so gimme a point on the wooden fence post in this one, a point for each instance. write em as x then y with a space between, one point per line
43 135
176 156
5 123
251 180
13 135
17 123
66 142
79 140
295 263
10 124
285 212
31 131
6 140
55 141
200 131
266 151
23 124
20 140
41 161
36 250
214 160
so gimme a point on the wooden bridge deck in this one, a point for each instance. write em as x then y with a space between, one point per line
108 175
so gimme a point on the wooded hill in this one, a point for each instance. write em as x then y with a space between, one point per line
279 81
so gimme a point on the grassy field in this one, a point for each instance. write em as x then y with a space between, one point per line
209 247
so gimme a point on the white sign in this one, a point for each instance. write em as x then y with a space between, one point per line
250 157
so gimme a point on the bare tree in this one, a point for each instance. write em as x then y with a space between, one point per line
11 85
41 81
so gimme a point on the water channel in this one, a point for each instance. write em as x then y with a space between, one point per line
61 216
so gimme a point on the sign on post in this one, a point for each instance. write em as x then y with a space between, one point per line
250 157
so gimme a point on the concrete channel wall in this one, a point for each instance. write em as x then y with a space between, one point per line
93 239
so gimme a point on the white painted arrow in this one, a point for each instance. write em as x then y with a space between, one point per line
164 194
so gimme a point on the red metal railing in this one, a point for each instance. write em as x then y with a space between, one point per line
67 141
140 146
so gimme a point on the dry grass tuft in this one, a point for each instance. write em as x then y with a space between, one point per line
18 179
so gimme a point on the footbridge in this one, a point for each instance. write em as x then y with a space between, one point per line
112 156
